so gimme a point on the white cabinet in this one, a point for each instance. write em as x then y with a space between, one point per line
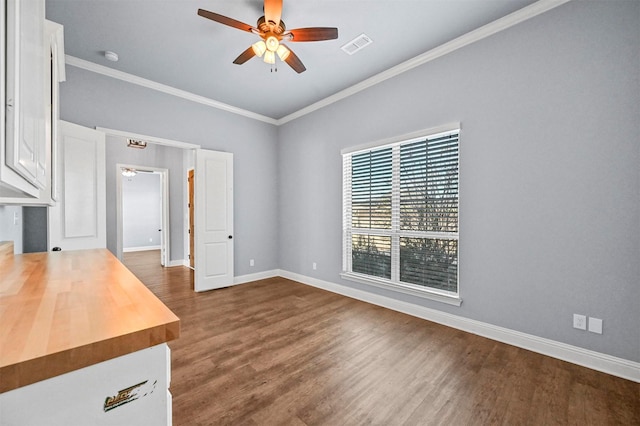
25 107
54 75
33 65
129 390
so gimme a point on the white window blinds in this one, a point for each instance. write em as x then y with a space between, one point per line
401 213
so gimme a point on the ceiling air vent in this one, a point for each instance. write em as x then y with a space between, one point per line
357 44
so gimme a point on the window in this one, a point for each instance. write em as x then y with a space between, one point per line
400 211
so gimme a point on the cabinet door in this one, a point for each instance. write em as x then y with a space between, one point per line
14 188
25 130
55 39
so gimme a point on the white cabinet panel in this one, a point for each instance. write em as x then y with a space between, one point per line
128 390
25 129
25 142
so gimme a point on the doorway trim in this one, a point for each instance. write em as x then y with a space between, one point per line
165 245
190 240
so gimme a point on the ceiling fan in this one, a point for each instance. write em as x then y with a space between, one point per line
273 32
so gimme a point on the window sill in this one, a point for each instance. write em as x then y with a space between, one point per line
413 291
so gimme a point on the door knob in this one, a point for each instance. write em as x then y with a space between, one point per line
230 236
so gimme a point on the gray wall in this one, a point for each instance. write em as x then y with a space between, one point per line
550 154
93 100
141 210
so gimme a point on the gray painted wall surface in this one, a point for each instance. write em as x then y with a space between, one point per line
141 210
550 154
93 100
9 231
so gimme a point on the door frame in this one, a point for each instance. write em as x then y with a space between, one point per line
165 255
191 216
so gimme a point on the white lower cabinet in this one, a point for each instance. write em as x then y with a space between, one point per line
129 390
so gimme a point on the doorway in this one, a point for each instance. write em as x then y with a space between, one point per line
142 210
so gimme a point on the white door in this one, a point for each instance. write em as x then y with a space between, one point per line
78 220
213 220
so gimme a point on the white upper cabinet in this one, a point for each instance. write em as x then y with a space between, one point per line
25 121
33 65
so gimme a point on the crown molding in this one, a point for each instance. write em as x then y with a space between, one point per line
150 84
481 33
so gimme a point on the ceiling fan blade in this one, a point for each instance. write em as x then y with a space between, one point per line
273 11
295 62
245 56
227 21
311 34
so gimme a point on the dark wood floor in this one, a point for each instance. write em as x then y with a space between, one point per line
276 352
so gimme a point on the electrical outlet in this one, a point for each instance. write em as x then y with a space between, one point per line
315 266
251 262
579 321
595 325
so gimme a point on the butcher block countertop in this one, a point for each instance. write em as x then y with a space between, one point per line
62 311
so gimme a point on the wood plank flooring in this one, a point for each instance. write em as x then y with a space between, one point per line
276 352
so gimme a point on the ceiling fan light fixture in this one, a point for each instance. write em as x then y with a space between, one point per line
270 57
272 30
259 48
283 52
272 43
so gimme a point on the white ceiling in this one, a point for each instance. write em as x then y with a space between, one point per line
167 42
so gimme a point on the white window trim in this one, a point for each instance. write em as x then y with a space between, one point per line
394 284
418 291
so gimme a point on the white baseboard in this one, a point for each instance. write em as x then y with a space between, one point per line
242 279
594 360
144 248
179 262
